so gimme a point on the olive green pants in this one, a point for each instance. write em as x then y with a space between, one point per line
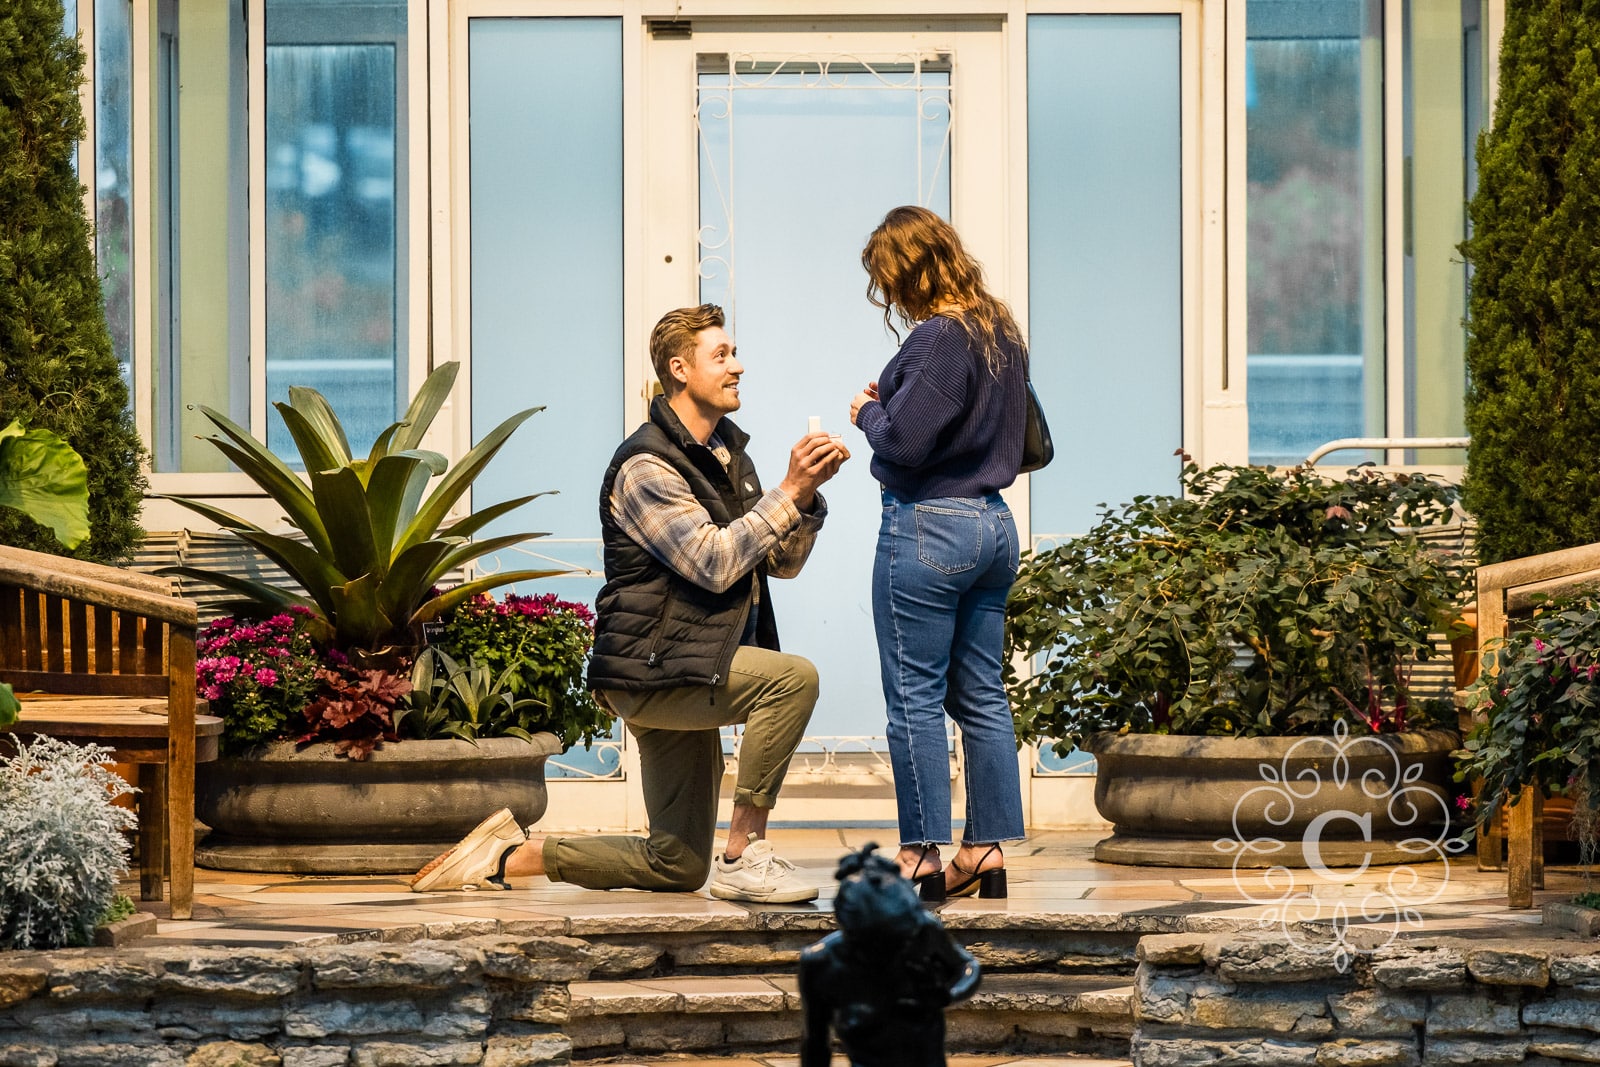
680 768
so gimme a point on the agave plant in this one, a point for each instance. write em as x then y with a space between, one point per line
374 546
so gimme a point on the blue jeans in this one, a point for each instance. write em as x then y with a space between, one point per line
939 585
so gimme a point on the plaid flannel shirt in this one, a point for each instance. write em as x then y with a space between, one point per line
654 506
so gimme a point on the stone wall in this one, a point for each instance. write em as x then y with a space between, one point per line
498 1001
1231 1000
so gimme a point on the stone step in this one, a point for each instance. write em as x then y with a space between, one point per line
1084 1014
631 946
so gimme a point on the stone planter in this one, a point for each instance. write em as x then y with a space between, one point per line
304 810
1341 801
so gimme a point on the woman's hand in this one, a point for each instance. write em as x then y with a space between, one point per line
869 393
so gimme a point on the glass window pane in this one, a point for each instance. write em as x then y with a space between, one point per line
547 279
1437 137
1314 107
203 224
796 168
545 96
69 26
335 210
1105 275
113 179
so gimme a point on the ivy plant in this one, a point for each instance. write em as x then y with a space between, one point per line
534 649
1538 702
1260 602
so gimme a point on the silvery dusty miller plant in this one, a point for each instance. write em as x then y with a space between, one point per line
61 842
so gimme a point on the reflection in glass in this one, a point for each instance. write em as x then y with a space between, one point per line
795 171
335 303
113 134
1314 101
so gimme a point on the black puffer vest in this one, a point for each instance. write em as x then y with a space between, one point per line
655 629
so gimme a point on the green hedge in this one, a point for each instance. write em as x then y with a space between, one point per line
57 369
1533 351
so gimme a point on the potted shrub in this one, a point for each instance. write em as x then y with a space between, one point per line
1235 658
499 691
312 682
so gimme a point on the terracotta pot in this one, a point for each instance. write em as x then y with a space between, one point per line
1260 802
305 810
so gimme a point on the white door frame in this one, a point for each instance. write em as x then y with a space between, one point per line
660 206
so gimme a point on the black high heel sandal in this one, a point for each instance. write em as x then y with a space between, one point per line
930 887
989 885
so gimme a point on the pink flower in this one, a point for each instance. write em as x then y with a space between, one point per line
1463 802
266 676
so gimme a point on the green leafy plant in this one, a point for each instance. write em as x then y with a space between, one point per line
469 702
1262 602
1538 702
121 907
538 646
10 707
374 545
42 477
257 674
59 369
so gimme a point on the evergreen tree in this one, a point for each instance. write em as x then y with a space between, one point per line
1533 350
57 370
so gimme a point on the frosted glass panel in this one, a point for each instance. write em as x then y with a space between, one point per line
814 170
1105 291
546 155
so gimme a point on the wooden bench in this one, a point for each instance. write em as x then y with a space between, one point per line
1507 593
100 654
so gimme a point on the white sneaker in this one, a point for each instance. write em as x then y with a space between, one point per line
759 875
475 862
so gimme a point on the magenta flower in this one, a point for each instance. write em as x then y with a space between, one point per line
266 676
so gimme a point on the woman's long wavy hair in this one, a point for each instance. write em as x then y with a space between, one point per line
915 265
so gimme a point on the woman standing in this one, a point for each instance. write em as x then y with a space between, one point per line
945 420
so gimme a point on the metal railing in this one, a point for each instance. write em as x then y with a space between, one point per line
1388 444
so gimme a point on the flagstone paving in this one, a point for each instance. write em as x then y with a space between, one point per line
794 1061
1053 878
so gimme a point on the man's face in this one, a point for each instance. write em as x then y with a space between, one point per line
711 378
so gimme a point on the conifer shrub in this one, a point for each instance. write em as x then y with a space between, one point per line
1533 349
57 368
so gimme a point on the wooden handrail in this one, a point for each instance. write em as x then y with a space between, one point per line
119 597
97 572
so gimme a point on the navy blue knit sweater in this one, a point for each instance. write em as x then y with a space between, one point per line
946 425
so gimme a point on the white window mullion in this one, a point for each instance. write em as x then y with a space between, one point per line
142 224
1394 218
256 58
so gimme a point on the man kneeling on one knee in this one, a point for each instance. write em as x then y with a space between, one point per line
686 642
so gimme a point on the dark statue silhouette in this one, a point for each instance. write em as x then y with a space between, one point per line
883 979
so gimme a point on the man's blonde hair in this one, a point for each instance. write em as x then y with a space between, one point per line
674 336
